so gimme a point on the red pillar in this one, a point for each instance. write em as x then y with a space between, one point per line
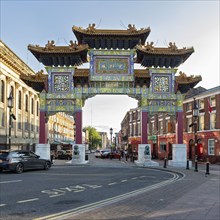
78 128
144 136
43 130
179 127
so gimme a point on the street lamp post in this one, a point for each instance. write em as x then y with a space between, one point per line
195 123
111 132
10 106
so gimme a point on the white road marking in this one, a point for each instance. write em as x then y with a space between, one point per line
28 200
112 183
124 181
11 181
142 176
92 186
1 205
134 178
57 195
92 206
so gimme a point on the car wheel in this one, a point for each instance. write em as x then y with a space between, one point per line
19 168
47 165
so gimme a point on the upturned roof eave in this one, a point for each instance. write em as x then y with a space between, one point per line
57 50
165 51
108 32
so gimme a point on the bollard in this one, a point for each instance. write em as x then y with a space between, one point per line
165 162
196 164
207 167
187 164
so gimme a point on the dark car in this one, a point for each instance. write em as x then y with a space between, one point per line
18 161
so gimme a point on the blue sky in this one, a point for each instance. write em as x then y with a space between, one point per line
187 23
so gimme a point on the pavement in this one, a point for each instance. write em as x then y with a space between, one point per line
198 199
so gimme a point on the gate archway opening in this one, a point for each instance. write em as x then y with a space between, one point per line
106 111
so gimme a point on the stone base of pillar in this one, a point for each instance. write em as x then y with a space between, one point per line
179 155
78 156
43 150
144 156
179 163
147 163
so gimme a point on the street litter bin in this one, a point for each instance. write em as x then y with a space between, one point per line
86 157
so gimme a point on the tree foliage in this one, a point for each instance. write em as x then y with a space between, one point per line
95 139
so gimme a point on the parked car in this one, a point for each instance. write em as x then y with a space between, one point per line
105 154
98 153
115 155
64 155
19 160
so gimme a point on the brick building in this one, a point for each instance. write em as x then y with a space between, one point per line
162 127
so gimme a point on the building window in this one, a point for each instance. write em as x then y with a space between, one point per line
139 115
19 100
163 147
201 103
2 89
213 101
37 109
212 121
32 124
130 117
168 126
131 130
19 121
134 129
153 128
211 147
32 106
37 127
26 103
201 123
26 127
189 106
188 123
139 129
2 117
160 127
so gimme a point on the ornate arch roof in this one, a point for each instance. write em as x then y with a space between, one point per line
106 38
148 55
50 55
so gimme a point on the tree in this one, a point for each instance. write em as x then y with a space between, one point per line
94 137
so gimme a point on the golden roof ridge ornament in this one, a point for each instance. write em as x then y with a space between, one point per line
149 46
183 78
91 28
50 45
172 46
73 45
132 28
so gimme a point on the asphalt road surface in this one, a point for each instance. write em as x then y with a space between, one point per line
64 189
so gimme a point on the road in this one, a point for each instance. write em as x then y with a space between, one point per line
39 194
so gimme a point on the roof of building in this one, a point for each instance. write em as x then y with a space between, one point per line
148 55
106 38
50 55
93 38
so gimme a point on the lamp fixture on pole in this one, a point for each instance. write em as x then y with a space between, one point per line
195 123
10 106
